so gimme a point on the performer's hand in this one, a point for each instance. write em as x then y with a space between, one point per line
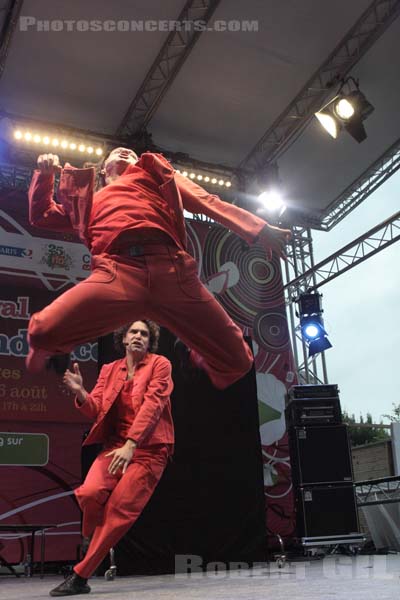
274 239
73 380
48 164
121 457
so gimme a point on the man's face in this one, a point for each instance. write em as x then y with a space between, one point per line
117 162
137 338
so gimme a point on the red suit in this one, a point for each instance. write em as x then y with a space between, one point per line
143 205
138 409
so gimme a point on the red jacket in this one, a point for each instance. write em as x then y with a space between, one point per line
76 192
152 387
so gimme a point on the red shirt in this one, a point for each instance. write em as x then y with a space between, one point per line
121 415
132 203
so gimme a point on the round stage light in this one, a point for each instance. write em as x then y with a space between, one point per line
344 109
311 331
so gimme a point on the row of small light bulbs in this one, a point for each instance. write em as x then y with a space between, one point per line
45 140
205 178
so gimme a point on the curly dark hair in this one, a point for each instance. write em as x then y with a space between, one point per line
153 328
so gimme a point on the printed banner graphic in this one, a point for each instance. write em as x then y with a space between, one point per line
33 271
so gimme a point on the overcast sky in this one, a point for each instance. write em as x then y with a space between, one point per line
361 311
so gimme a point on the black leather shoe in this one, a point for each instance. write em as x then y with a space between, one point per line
74 584
58 363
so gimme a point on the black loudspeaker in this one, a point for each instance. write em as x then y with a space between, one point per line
326 510
313 405
320 455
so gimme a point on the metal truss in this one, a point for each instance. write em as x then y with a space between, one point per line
166 66
376 239
15 178
300 259
290 123
378 491
376 174
9 12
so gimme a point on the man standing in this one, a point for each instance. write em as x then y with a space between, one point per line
131 407
135 230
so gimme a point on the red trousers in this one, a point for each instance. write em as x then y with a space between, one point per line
112 503
162 286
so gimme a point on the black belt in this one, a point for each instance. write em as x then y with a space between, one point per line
144 249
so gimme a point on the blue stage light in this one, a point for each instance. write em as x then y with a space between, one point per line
311 331
312 324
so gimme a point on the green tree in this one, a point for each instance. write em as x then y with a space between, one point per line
395 416
364 435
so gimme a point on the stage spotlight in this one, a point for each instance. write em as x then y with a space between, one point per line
270 186
311 323
347 110
272 201
343 109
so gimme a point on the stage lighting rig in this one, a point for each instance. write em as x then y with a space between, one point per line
47 141
204 178
347 110
311 323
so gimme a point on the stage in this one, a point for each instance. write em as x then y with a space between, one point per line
341 577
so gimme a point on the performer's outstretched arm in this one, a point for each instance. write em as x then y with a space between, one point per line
248 226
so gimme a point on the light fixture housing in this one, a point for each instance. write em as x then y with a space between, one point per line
347 110
311 323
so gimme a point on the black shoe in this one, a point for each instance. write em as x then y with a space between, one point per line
58 363
74 584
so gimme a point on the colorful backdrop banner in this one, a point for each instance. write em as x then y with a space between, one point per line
35 266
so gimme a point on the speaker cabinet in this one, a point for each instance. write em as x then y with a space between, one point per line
320 455
326 510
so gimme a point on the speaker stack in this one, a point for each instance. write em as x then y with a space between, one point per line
322 473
